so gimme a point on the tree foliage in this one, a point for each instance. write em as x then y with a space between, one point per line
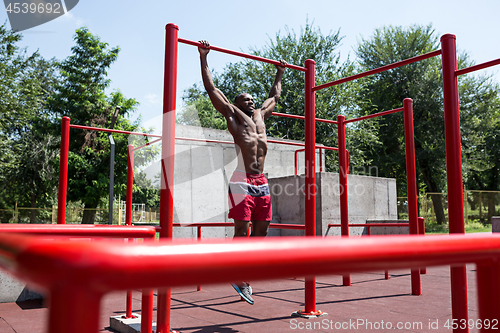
81 96
256 78
27 165
421 81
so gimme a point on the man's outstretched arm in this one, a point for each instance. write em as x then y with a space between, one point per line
219 100
274 94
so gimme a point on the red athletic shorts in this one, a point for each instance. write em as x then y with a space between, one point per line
249 197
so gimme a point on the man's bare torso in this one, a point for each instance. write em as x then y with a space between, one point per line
251 141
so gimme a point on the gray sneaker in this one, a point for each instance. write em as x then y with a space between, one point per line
245 291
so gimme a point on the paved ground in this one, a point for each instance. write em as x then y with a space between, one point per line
371 304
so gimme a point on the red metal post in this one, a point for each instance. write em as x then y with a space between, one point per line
411 186
488 293
310 181
130 182
421 231
344 206
128 302
147 311
198 237
454 172
66 304
167 161
63 171
320 159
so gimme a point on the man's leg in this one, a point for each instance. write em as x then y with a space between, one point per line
241 228
243 288
260 228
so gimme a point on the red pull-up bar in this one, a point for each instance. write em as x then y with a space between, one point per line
240 54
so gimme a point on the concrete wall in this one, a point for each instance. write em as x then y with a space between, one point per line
202 173
369 198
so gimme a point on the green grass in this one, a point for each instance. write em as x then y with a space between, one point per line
471 227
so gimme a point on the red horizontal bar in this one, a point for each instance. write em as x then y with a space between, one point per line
240 54
205 140
230 224
378 70
113 131
379 114
268 140
146 144
372 225
102 266
286 115
81 230
477 67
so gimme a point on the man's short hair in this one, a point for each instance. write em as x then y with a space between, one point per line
238 96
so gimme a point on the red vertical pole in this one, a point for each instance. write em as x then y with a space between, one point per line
63 171
421 231
344 206
488 293
411 186
128 216
130 182
167 162
310 183
198 237
454 173
66 304
128 307
147 311
320 159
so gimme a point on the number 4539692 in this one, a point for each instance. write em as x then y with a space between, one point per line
472 324
25 8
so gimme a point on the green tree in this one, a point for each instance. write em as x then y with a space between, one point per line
81 96
421 81
27 153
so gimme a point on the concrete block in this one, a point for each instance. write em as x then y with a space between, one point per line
389 230
495 223
13 290
131 325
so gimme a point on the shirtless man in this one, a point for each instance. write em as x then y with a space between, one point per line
249 195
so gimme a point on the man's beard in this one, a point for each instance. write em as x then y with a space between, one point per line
249 112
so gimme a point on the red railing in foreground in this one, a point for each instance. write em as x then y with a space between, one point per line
92 231
77 282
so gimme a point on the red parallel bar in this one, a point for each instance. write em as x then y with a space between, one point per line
268 140
380 69
130 182
167 163
230 224
379 114
477 67
72 280
240 54
147 144
113 131
369 225
411 185
63 171
80 230
205 140
454 173
286 115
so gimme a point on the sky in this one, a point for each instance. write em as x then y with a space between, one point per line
138 28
